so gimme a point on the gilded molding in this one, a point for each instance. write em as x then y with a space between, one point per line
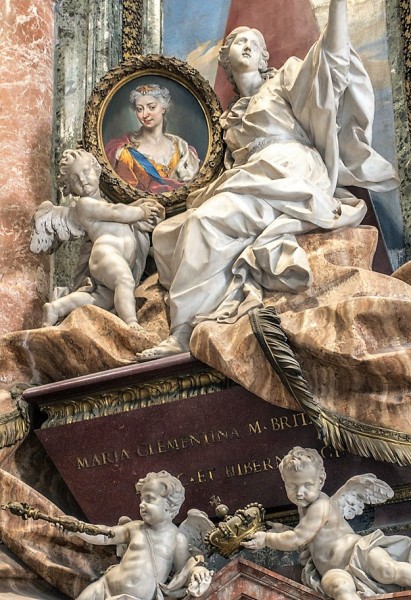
119 400
132 28
15 425
396 529
344 433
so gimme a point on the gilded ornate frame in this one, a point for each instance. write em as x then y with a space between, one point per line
179 73
405 16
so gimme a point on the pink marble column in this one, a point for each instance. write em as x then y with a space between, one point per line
26 96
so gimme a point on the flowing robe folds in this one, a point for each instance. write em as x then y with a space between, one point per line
397 546
291 148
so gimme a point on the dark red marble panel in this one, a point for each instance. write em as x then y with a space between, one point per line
226 444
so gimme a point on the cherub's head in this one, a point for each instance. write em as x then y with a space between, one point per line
79 173
244 48
161 497
303 473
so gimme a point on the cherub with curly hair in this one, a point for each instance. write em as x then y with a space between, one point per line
151 547
117 234
341 563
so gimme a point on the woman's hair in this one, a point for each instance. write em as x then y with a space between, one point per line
68 158
173 489
162 94
298 458
223 56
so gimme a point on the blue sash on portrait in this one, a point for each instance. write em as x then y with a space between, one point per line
146 164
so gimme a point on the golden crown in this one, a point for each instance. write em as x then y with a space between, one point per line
227 537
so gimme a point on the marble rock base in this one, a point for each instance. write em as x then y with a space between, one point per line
87 341
350 333
241 579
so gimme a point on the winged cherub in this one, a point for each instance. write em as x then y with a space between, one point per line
150 547
349 565
116 240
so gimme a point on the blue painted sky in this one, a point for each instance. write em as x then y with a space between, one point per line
207 21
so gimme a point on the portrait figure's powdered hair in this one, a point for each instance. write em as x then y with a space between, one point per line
162 94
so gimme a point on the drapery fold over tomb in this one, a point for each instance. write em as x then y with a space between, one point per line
350 333
336 430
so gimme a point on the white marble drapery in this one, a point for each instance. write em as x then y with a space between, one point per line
312 121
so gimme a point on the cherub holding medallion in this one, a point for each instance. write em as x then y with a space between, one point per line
116 243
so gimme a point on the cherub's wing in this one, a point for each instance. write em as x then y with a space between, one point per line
52 225
195 528
360 490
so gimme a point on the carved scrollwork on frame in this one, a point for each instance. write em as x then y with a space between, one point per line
132 30
111 402
405 16
193 116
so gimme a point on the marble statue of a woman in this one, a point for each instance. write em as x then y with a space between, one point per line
295 139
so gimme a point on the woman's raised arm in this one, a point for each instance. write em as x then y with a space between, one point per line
336 32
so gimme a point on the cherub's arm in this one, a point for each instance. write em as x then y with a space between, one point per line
155 219
99 210
181 552
189 568
308 527
336 32
121 536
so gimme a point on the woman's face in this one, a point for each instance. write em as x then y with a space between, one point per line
149 112
245 52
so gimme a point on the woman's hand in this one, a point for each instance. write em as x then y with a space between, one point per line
336 32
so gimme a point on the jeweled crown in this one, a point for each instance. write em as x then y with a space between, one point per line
227 537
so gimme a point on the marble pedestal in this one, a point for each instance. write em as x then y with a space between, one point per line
242 579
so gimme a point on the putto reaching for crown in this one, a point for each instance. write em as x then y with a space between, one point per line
339 562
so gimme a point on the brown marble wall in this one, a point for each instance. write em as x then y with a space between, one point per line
26 97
